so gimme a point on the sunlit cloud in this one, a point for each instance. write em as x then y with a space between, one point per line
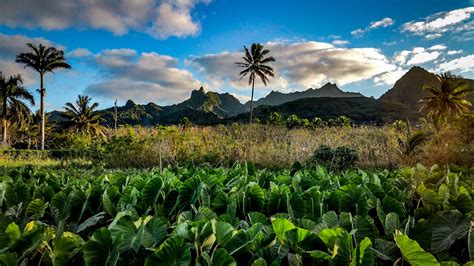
383 23
141 77
159 18
434 26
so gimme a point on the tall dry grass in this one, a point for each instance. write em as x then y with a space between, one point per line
264 145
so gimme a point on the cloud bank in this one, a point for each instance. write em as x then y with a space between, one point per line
143 77
436 25
158 18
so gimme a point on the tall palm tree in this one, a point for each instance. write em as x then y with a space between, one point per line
255 64
448 98
43 59
12 94
82 118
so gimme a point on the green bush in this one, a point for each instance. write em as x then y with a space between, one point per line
336 159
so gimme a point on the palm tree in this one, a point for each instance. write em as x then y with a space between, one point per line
12 94
43 59
448 98
255 65
82 118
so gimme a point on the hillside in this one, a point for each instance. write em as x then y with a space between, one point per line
408 89
359 109
328 90
223 105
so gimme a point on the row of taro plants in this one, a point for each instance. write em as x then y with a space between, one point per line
237 215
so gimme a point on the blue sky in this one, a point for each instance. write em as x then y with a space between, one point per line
160 50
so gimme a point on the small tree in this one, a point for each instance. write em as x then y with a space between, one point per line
448 99
275 118
255 65
293 121
12 94
82 118
42 59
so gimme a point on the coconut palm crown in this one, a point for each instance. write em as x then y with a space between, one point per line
82 118
42 59
255 65
447 99
12 95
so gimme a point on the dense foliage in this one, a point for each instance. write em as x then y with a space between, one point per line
238 215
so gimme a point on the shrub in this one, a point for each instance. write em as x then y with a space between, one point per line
336 159
346 157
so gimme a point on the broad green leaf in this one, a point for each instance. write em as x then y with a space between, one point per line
343 252
447 227
318 254
470 241
222 258
171 252
155 231
280 226
257 217
16 193
364 253
125 230
329 236
254 198
392 223
100 249
9 259
65 247
412 252
36 209
91 221
353 199
29 240
259 262
13 232
151 191
223 232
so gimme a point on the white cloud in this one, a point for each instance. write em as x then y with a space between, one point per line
299 65
174 20
454 52
357 32
383 23
434 26
340 42
389 77
423 57
462 64
144 77
80 52
438 47
10 46
417 55
159 18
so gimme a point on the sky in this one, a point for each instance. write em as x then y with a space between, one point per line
160 50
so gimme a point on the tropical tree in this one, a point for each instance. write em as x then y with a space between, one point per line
82 118
255 65
12 94
449 98
43 59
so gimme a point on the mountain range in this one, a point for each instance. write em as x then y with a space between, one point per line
208 108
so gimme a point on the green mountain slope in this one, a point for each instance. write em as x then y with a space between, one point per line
328 90
408 89
359 109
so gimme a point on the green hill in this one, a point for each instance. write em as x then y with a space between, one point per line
359 109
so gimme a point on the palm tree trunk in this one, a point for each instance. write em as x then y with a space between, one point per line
251 101
4 121
42 92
